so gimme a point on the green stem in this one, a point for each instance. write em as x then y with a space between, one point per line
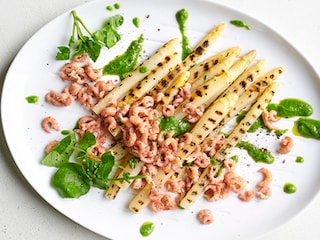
77 19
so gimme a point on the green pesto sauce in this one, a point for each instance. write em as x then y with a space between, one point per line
291 107
125 62
173 124
32 99
257 154
147 228
299 159
136 22
143 69
289 188
109 8
182 17
307 127
117 5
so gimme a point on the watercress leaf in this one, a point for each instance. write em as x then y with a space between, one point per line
111 37
70 181
106 167
93 49
239 23
61 153
99 183
87 141
114 21
63 53
106 157
98 35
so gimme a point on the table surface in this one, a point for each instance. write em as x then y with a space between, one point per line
25 215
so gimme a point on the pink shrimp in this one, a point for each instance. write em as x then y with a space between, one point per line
202 160
269 118
214 192
168 110
146 102
73 89
262 188
49 123
263 193
51 145
267 177
81 58
187 138
193 173
72 72
213 178
205 216
175 186
183 93
286 145
229 164
129 137
109 111
88 123
235 182
110 123
104 87
246 196
193 112
93 74
138 184
86 97
59 99
158 97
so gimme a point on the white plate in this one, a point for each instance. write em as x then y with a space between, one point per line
34 72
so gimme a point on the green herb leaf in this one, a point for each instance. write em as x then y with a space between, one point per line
106 167
239 23
70 181
87 141
63 53
61 153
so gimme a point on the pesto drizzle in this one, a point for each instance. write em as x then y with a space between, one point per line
182 17
258 154
125 62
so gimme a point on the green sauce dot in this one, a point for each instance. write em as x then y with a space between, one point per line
289 188
136 22
299 159
32 99
143 69
109 8
117 5
147 228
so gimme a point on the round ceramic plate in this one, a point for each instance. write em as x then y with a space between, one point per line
35 72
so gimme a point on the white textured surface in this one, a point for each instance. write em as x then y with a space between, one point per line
24 215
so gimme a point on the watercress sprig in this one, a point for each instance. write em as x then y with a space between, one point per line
82 40
74 178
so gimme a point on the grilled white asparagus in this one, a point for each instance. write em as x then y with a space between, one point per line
212 88
213 66
134 77
255 111
200 50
